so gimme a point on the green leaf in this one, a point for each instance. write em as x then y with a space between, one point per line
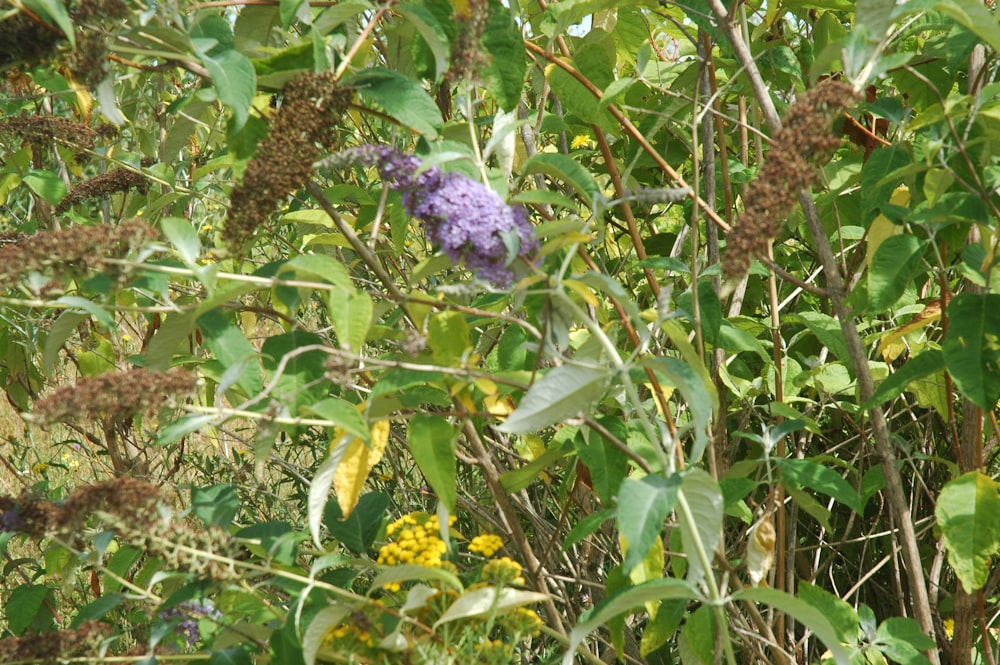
425 23
486 601
842 617
923 365
606 463
411 572
232 349
325 620
344 414
701 523
812 617
806 473
699 395
966 511
621 602
432 444
902 640
402 98
448 338
326 268
288 9
972 346
808 504
235 82
47 185
181 234
24 605
827 330
91 308
97 609
293 371
358 530
230 656
643 505
897 261
56 11
174 329
565 168
975 17
218 504
696 642
60 331
565 392
508 65
586 527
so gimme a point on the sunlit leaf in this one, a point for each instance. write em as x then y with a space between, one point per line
972 346
966 511
565 392
358 461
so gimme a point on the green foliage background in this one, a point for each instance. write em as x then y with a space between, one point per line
687 463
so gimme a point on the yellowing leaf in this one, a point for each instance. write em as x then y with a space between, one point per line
498 406
881 227
760 550
891 346
357 463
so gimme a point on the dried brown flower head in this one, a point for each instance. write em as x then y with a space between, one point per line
805 141
54 647
42 130
468 55
26 40
72 251
115 180
114 397
311 107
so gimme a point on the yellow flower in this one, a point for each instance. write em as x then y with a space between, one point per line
503 571
40 468
580 141
486 544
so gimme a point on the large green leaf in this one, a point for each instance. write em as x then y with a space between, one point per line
701 523
24 605
401 97
972 346
351 312
448 337
699 395
966 511
232 350
508 65
812 617
358 530
565 168
827 330
806 473
896 262
619 603
485 601
606 463
901 639
643 505
923 365
235 82
293 370
432 444
565 392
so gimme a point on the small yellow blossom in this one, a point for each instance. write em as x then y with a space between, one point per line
580 141
40 468
486 544
503 571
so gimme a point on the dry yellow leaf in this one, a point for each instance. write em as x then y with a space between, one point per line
358 461
760 550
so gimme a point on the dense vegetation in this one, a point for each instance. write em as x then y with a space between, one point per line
466 331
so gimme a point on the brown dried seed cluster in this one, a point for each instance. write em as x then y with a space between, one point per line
55 647
805 141
311 107
71 251
44 129
114 397
115 180
468 55
25 40
133 501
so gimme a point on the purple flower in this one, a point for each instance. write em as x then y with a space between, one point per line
465 218
10 521
186 615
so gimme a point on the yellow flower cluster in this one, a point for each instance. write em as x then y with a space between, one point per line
522 621
413 542
344 632
504 571
494 651
486 544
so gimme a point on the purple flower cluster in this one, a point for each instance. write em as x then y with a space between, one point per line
187 615
465 218
10 521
